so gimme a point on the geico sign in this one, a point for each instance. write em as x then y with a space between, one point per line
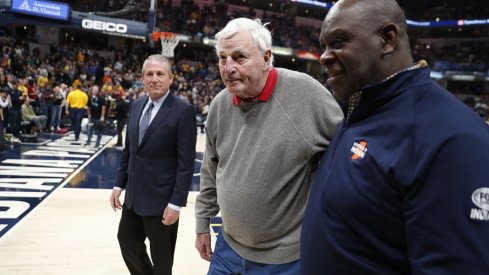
103 26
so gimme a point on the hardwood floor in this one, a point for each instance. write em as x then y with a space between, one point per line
74 232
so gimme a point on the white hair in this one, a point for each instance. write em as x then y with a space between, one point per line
158 57
260 34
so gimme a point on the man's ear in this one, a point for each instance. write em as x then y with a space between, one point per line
267 58
389 37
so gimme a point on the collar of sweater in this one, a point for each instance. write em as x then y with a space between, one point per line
265 93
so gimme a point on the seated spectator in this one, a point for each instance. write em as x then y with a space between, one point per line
28 114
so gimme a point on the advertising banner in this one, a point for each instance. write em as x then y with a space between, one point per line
41 8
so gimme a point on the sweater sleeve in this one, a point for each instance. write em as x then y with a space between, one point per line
322 115
206 205
327 115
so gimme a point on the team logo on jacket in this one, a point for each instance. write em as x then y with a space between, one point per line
480 198
359 149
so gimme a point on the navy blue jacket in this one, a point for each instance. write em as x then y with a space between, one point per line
160 170
403 188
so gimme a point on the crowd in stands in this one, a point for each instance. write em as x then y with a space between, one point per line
44 78
422 10
466 55
419 10
136 10
191 18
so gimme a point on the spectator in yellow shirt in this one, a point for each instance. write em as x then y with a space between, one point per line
76 103
23 87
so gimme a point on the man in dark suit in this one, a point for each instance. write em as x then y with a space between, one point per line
156 170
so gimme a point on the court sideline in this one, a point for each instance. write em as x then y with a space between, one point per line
74 232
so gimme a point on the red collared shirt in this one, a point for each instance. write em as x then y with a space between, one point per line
267 90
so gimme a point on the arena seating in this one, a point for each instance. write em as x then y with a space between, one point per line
196 74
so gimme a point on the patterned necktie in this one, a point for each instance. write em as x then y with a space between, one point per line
145 122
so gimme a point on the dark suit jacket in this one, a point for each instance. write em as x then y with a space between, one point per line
160 170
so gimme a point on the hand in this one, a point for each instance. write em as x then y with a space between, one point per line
203 245
170 216
115 203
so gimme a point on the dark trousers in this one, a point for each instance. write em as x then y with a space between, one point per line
48 111
121 122
133 231
15 118
2 136
94 125
76 120
55 120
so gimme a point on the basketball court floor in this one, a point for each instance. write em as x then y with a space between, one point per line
55 216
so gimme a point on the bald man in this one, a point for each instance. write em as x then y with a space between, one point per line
404 185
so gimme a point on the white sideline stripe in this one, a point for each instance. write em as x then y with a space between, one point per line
71 149
54 154
4 236
16 194
36 169
45 162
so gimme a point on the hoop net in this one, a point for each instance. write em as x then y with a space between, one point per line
168 41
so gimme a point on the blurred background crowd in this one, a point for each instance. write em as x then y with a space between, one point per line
45 73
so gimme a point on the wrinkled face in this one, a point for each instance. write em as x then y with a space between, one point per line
156 79
351 51
242 66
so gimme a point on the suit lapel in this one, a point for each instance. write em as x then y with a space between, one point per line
159 117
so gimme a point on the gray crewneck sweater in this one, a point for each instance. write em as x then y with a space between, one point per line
258 165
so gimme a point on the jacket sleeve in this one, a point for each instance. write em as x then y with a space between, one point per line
447 211
186 140
122 176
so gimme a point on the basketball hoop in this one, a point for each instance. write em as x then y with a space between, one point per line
168 40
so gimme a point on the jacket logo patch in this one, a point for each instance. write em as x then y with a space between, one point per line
480 198
359 149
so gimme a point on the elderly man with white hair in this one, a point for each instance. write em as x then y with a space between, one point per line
28 114
265 134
